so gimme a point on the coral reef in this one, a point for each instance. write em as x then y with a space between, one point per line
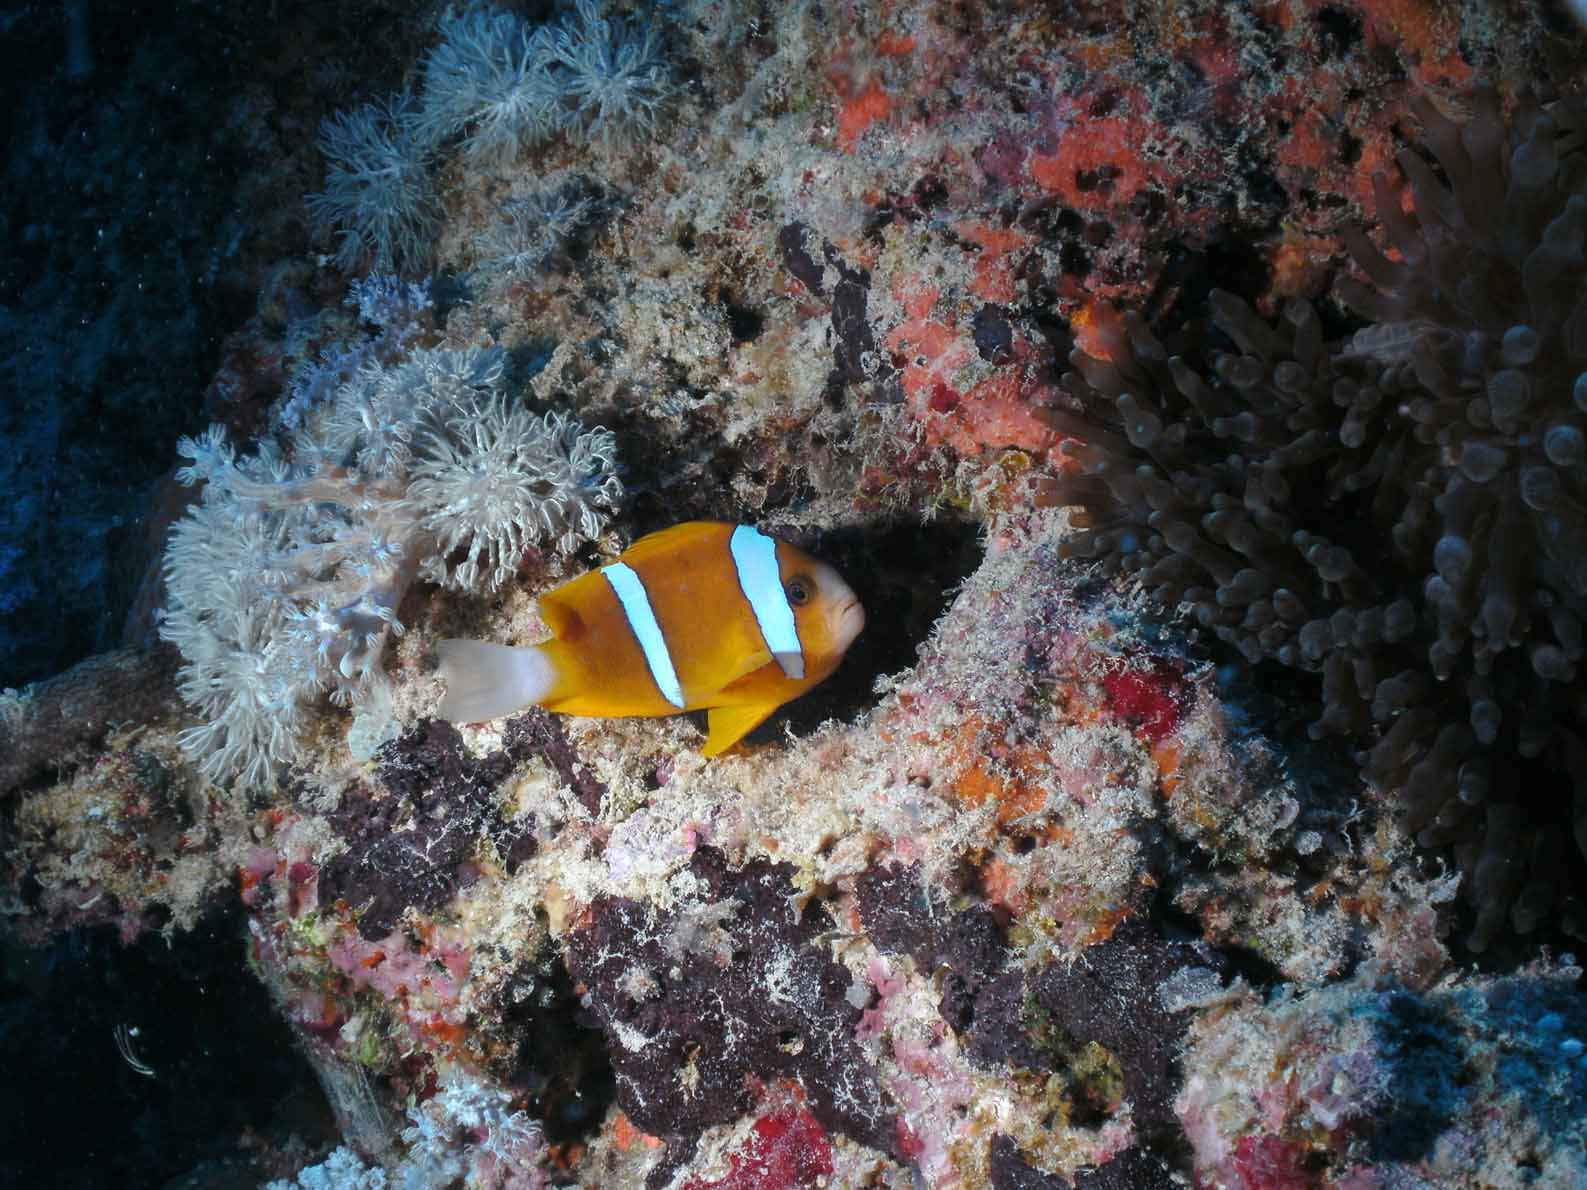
1480 1082
732 988
55 722
1048 885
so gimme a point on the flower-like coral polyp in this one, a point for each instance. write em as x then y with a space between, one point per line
286 578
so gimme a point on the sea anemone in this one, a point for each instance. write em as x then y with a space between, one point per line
1402 512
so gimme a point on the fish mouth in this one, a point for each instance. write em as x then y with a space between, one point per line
849 621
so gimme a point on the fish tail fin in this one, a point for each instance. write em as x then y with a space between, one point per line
486 681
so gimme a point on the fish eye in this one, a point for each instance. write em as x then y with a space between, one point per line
800 589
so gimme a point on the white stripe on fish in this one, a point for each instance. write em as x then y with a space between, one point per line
642 619
755 557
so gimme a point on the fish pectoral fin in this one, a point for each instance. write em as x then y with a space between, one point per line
749 663
562 618
733 683
731 724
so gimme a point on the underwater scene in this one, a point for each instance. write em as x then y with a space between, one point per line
762 594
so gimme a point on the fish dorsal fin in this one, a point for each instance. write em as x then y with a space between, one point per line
665 540
560 616
728 725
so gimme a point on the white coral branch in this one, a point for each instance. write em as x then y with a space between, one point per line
284 581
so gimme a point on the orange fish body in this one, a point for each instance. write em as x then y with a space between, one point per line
702 616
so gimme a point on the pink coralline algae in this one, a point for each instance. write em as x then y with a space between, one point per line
964 396
1353 1086
786 1150
428 976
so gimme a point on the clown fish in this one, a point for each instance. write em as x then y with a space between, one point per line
702 616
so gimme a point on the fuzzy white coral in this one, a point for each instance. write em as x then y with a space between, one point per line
509 86
378 194
284 581
465 1132
534 225
513 480
342 1169
393 314
490 75
616 81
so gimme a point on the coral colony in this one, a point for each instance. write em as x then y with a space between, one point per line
1194 400
286 578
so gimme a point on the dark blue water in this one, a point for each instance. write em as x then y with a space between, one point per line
154 159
